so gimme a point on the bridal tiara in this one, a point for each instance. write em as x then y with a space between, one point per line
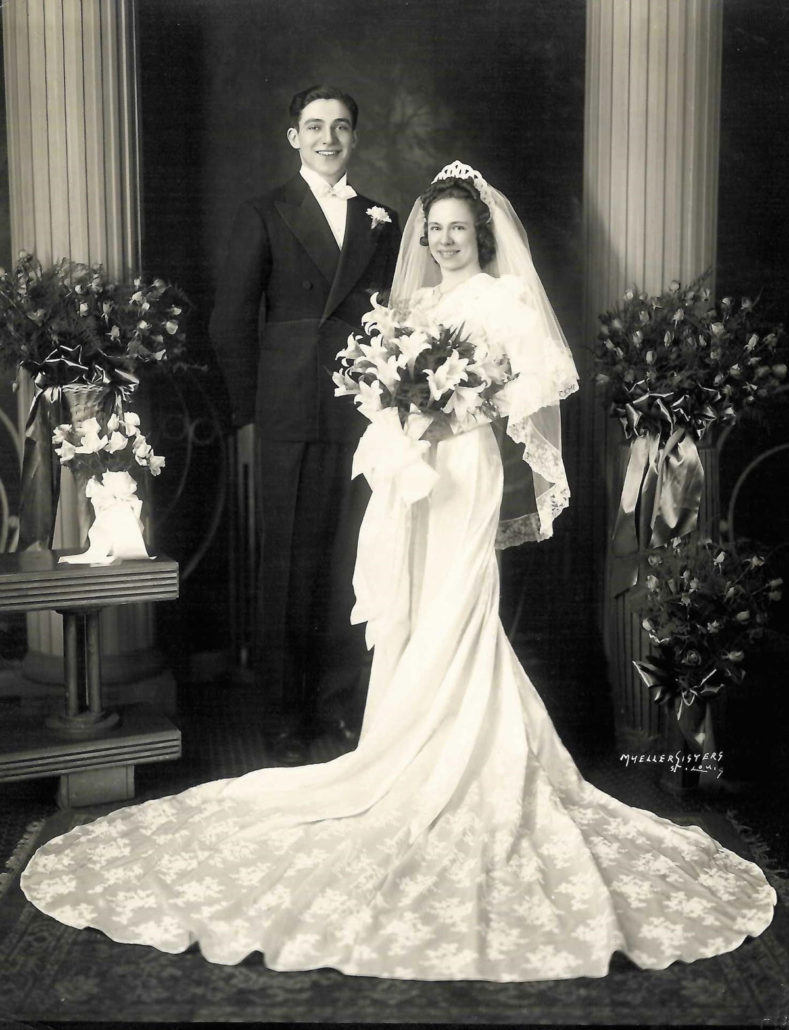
457 170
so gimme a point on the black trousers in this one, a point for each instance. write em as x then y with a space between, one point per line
311 663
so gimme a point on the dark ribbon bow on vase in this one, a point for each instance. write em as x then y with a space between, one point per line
65 390
664 480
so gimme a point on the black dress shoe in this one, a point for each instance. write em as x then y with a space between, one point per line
338 729
332 739
289 748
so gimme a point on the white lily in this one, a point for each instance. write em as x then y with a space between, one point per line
412 346
345 385
369 398
380 318
463 401
389 371
489 369
351 351
447 375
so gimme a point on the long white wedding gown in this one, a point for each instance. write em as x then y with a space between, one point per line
458 841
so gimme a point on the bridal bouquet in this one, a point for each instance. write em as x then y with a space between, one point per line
434 371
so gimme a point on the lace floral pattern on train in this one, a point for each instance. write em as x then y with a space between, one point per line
543 884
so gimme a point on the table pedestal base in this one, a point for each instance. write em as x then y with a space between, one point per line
84 725
93 751
95 786
83 715
91 770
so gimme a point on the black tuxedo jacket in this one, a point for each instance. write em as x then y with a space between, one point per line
286 300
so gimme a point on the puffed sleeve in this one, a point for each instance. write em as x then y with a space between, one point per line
544 374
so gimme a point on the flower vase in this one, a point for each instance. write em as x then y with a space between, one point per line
117 529
678 776
40 487
81 402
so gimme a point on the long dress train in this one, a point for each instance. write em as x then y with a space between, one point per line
458 841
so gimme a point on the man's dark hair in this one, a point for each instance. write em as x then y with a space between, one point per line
322 92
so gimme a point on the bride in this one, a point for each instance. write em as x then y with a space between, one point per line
458 841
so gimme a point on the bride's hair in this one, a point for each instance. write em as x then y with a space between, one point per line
463 189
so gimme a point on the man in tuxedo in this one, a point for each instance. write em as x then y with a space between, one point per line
302 263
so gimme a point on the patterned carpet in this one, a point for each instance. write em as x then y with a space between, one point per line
50 972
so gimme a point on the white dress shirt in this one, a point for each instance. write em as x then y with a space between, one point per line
334 207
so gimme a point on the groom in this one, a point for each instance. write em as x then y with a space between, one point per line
301 265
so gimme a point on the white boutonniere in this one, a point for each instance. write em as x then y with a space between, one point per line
378 216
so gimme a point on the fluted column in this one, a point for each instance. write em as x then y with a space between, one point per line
653 72
71 99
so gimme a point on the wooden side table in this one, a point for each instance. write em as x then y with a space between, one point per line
93 751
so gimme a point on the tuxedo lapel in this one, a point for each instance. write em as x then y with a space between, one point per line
303 215
358 248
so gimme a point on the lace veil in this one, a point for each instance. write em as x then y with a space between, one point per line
535 483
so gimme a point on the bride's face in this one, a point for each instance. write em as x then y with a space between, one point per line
451 235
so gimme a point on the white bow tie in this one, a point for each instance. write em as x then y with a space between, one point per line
340 192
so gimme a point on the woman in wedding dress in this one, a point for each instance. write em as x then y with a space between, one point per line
458 841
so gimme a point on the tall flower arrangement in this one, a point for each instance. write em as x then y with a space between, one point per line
680 360
705 609
673 366
84 339
70 323
110 455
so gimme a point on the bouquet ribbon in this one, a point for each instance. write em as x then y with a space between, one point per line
660 499
117 529
392 459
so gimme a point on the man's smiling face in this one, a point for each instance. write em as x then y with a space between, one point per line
325 138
